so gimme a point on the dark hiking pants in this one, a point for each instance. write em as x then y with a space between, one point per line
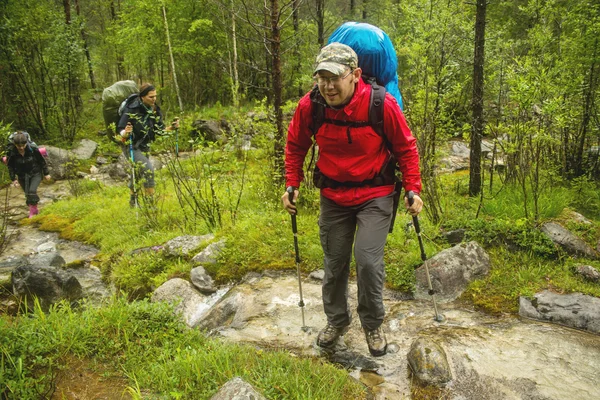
30 183
144 170
365 225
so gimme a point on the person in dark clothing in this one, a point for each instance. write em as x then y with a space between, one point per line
26 166
140 122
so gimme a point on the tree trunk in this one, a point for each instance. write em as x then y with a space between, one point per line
320 22
86 47
588 111
172 59
296 21
277 87
477 101
236 81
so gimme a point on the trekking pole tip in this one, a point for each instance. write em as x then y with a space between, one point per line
439 318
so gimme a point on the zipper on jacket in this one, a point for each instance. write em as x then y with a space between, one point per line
349 136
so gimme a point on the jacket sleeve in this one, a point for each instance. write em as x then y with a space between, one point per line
10 163
404 145
41 161
123 120
299 140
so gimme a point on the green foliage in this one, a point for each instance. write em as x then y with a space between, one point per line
141 274
515 274
156 351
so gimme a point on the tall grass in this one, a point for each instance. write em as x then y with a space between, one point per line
156 351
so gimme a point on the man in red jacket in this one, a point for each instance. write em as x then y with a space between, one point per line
356 199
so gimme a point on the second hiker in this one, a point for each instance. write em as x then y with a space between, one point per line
140 122
26 166
357 191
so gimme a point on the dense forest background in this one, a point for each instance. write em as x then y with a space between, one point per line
539 84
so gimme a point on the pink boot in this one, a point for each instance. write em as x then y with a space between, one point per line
33 210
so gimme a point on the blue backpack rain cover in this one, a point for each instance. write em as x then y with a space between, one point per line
376 54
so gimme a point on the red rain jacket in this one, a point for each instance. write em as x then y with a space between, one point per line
352 153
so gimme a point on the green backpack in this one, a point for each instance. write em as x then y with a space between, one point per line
113 99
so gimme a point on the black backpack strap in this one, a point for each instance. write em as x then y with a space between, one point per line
318 110
376 108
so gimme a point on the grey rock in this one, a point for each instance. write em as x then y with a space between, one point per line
459 149
428 362
52 259
588 272
117 170
575 310
47 247
210 254
318 275
184 245
237 389
452 270
202 281
208 130
11 263
188 302
94 170
580 219
101 160
92 285
48 284
58 160
454 237
568 241
85 149
223 313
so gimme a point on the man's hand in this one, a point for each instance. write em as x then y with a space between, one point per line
47 177
15 183
287 204
416 207
175 124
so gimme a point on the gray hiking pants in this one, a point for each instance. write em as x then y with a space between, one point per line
144 171
29 183
367 226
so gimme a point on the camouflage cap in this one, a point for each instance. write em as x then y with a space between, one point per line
335 58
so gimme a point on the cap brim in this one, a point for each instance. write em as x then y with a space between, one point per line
333 67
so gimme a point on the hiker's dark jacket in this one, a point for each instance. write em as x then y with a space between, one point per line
353 154
146 123
31 163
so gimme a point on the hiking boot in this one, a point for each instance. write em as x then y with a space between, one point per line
329 335
376 342
33 210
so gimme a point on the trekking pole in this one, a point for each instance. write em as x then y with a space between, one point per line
290 191
135 199
411 199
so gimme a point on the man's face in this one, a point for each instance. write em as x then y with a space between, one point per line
20 146
337 89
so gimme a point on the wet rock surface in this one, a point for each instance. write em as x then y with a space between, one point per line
573 310
490 357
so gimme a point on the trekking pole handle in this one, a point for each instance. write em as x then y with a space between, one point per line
291 190
411 200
